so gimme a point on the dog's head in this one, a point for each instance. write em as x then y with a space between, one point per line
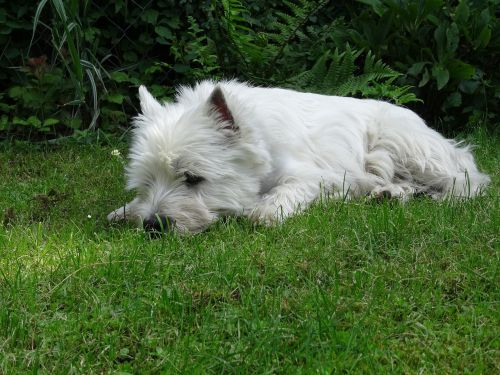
193 160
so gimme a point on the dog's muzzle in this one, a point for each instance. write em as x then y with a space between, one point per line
157 224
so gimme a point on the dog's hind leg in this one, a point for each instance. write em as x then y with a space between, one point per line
410 158
387 177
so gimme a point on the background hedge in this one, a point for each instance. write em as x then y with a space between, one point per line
68 68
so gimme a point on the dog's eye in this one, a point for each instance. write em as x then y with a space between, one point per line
192 179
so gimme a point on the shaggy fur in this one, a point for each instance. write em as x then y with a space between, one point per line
231 149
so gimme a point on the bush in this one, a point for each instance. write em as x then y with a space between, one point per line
72 67
448 50
84 62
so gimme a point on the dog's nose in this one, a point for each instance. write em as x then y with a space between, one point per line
157 224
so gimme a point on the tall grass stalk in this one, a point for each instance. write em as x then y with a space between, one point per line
67 39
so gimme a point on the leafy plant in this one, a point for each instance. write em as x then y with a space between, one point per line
96 55
38 102
445 48
194 54
70 46
267 55
337 74
85 59
288 26
261 51
245 45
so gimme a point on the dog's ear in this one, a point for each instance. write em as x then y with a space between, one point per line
148 103
218 105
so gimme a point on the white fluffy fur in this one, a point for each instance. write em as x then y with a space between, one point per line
280 150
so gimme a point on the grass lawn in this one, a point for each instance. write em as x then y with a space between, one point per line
357 287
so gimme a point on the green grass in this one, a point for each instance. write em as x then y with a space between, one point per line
355 287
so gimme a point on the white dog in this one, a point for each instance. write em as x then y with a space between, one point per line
231 149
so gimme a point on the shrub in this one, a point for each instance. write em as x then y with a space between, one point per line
448 50
72 67
85 60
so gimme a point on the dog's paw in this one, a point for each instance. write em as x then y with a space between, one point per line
117 215
267 219
267 214
400 192
380 196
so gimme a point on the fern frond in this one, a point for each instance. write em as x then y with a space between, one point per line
240 32
342 67
336 74
260 51
290 25
318 71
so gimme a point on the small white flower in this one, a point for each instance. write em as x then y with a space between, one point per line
89 216
115 152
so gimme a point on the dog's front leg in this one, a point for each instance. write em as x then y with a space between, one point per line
284 200
124 212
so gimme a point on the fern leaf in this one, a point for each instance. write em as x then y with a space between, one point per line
336 74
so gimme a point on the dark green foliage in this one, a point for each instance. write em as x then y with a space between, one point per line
336 74
86 60
287 47
263 53
71 67
449 50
